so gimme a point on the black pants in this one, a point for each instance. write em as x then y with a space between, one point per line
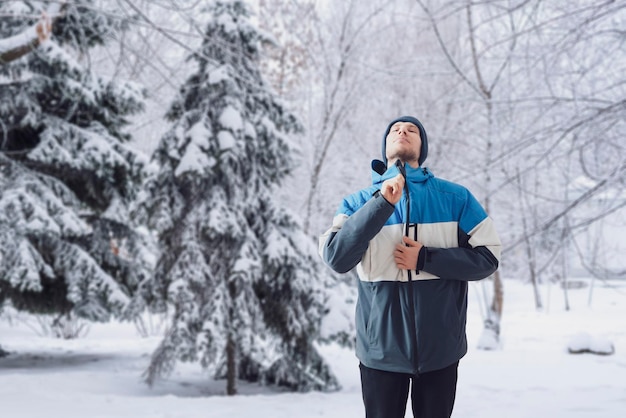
432 393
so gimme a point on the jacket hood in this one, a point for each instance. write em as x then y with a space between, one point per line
423 136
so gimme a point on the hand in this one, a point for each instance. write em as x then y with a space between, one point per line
392 189
406 254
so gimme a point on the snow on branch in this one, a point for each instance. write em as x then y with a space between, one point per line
21 44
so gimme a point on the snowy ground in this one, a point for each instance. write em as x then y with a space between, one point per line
532 375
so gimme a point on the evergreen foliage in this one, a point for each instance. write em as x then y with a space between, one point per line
243 279
67 178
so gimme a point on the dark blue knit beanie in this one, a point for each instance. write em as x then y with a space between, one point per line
414 121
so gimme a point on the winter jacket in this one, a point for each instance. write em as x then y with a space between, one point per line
412 321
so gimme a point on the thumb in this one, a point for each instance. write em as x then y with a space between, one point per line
409 242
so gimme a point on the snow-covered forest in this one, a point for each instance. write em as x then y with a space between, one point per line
177 159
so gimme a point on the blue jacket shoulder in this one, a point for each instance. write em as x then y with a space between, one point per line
446 186
355 201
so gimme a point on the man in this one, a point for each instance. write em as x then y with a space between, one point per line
416 241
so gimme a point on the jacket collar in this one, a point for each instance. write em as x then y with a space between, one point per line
413 175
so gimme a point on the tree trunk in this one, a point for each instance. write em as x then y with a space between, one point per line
498 296
530 254
565 287
490 337
231 366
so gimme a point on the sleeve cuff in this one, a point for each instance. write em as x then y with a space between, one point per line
378 195
421 258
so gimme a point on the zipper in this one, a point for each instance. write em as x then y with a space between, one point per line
407 224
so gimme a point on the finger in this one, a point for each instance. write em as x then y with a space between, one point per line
400 185
408 241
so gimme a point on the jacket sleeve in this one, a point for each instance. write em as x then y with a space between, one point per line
478 253
344 244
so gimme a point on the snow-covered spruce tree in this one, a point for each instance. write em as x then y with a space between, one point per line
243 279
66 177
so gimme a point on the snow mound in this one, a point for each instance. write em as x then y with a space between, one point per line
584 342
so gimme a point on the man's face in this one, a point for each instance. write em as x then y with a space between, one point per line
404 143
